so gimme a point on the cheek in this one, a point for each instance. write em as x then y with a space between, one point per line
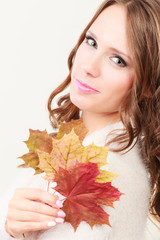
124 88
129 83
130 80
117 88
124 83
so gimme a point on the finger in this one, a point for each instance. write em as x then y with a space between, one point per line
25 216
24 227
32 206
38 195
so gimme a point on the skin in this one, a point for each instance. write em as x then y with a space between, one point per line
31 210
97 65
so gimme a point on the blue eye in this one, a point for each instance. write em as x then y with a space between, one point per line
118 61
90 41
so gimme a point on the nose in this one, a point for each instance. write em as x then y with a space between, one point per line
91 67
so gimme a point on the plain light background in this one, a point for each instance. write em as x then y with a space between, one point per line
36 37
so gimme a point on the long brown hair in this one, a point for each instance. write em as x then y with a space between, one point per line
141 115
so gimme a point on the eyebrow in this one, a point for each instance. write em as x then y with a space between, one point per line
111 48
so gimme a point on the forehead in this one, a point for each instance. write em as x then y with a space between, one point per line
110 27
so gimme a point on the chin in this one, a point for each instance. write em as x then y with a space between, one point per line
77 102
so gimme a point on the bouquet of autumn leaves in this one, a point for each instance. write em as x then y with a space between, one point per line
77 171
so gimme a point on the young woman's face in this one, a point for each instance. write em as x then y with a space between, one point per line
103 63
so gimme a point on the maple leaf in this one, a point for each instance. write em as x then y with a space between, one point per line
78 127
32 160
93 153
105 176
65 153
69 151
38 140
47 154
84 195
77 171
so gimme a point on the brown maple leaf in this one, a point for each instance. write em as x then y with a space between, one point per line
38 140
84 195
78 127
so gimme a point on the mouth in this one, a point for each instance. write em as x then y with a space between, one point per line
84 87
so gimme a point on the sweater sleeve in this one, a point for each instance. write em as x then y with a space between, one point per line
129 217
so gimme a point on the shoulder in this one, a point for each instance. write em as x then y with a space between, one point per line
130 168
133 181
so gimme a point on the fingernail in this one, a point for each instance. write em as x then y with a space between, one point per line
52 184
59 220
61 214
59 203
51 224
52 191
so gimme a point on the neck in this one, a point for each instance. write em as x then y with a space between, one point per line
97 121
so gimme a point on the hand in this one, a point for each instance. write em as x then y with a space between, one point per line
32 209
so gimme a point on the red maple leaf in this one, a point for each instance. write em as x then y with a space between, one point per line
84 195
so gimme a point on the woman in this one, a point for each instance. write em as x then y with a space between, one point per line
114 85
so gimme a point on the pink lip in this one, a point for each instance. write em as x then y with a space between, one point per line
84 87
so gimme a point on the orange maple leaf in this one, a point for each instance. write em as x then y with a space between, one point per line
77 125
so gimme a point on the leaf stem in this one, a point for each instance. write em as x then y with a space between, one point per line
64 199
48 186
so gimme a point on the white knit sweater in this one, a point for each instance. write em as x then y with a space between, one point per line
128 218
